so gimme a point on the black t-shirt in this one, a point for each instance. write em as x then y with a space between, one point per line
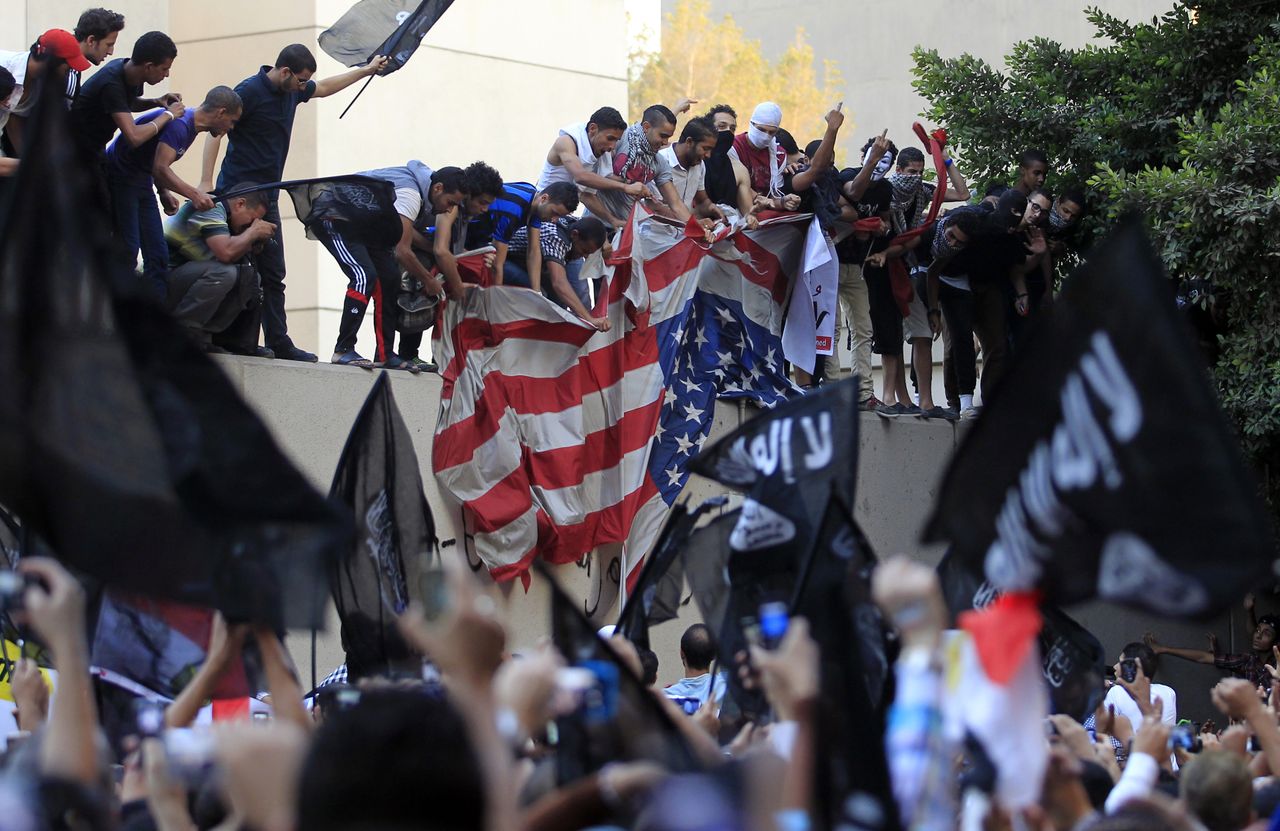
259 145
103 95
989 258
873 202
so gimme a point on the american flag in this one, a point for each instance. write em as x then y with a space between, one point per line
556 439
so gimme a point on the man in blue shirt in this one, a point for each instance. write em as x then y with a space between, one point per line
521 207
257 152
133 171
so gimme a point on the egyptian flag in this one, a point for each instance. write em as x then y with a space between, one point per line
393 28
122 444
1073 660
374 579
1113 470
789 462
619 719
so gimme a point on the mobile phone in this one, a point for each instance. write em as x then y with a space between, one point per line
1184 736
435 594
1129 669
773 623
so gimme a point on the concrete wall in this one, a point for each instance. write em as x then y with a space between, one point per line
310 410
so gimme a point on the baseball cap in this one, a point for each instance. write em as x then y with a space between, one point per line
62 44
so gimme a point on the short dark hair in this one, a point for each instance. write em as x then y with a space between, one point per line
563 193
967 222
154 47
909 155
589 228
98 23
811 149
893 151
997 190
254 198
417 767
453 179
1074 195
1042 192
607 118
7 83
658 114
698 646
296 58
698 130
1030 157
648 664
222 98
721 108
481 179
787 141
1145 655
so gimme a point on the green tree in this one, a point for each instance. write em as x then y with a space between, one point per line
1176 118
716 63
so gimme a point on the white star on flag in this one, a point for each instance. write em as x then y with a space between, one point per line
673 475
669 397
683 445
692 413
724 314
724 358
689 386
701 338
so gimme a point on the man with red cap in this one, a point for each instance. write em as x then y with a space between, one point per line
51 54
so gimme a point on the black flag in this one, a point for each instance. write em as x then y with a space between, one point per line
373 581
1073 660
1112 471
367 203
620 719
381 27
852 788
655 598
789 461
121 443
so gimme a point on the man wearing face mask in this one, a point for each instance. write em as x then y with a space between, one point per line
955 281
727 181
759 152
1064 221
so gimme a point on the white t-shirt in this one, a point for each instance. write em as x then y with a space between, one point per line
601 165
1127 707
16 63
688 180
408 203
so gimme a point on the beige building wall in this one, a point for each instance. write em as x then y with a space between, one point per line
483 85
872 42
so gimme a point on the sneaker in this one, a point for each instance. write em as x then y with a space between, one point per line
968 414
871 404
911 410
423 366
349 358
396 362
263 352
293 353
890 410
942 413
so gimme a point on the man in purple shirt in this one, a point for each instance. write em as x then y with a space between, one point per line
135 174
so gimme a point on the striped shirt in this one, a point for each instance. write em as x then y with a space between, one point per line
187 232
512 211
554 241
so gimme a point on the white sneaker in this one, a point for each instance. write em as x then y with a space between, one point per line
969 413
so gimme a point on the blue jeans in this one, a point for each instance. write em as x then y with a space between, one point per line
138 221
515 274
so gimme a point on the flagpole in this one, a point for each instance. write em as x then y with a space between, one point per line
358 94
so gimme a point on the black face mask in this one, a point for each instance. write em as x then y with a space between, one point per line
724 140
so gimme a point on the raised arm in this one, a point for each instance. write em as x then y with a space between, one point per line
1200 656
337 83
826 155
854 190
282 683
958 189
224 647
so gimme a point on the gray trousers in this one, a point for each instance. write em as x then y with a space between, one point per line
208 296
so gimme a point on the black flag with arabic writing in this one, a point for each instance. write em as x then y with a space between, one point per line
122 444
788 462
1073 660
1113 472
393 28
374 580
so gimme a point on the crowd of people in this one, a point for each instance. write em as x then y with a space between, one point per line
982 271
476 738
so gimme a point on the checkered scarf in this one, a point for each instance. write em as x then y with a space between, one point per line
909 199
641 155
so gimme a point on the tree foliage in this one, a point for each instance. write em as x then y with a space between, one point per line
1176 118
716 63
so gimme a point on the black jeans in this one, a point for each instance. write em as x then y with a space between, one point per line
957 309
270 264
